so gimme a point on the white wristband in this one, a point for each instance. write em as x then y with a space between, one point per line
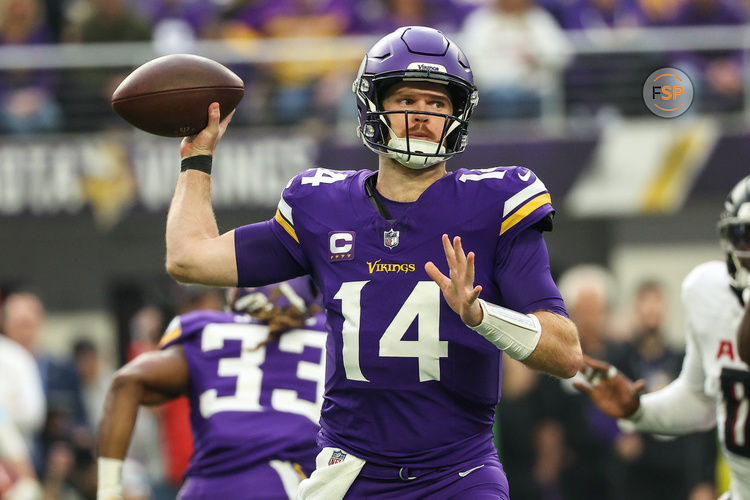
109 486
513 332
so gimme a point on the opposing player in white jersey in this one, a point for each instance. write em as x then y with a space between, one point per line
713 388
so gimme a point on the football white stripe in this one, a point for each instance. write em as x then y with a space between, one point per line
522 196
286 211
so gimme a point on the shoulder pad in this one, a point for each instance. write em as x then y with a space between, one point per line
187 326
524 197
703 280
304 184
316 186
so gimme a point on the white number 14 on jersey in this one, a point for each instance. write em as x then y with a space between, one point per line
423 304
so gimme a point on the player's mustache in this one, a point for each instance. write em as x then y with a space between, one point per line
422 131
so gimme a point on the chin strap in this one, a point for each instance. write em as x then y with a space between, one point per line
410 146
416 161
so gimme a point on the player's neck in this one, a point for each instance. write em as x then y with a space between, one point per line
399 183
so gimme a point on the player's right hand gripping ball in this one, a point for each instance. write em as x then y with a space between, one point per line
170 95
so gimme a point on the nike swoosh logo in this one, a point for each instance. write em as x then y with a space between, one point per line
467 472
525 177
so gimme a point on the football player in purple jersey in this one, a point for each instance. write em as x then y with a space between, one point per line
255 385
414 356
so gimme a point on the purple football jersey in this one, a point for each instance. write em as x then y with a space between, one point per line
250 402
406 381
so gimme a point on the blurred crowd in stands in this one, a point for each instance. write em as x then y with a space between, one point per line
523 59
557 445
554 443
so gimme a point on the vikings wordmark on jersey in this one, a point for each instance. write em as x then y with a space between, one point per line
408 382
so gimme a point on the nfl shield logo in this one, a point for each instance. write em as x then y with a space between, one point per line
390 238
338 456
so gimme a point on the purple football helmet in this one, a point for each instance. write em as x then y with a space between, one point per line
298 292
414 53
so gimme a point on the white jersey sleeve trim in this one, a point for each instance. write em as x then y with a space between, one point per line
523 195
286 210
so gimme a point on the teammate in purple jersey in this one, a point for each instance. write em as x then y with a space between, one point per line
411 390
255 385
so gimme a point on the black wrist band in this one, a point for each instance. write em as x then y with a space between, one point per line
202 163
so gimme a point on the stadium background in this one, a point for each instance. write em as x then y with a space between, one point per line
83 196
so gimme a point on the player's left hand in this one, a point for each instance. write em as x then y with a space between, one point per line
459 290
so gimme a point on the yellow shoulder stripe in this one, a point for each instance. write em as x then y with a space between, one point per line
287 227
169 337
525 210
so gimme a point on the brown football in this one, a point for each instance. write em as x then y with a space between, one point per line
170 95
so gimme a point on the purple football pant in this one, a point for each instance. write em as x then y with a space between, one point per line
486 481
262 482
